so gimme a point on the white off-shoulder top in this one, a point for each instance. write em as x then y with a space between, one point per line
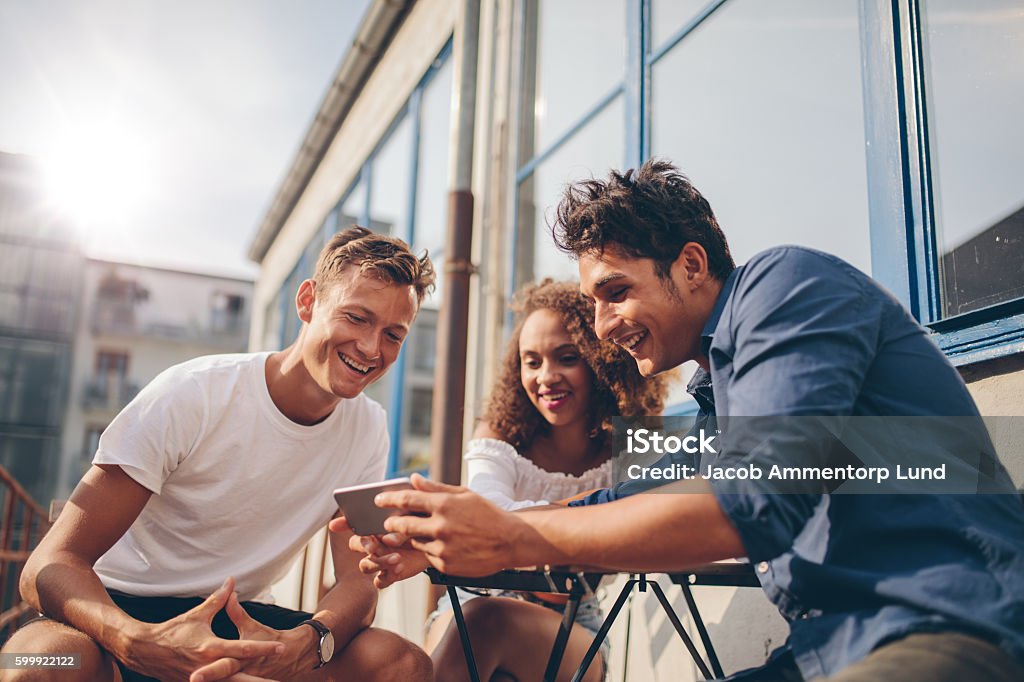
497 472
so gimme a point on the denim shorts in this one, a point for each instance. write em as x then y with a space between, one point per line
589 615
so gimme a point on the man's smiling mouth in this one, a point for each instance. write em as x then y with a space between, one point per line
633 341
359 367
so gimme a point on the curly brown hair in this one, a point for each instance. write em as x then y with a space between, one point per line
619 389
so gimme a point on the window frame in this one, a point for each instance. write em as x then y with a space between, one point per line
904 249
902 231
406 231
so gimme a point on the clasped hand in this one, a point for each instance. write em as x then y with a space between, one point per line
186 648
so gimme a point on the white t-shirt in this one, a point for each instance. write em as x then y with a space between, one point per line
497 472
238 487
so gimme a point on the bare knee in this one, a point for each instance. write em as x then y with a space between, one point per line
384 656
486 618
49 638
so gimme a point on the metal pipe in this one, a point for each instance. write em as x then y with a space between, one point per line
450 376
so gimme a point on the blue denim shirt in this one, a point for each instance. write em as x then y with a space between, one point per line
799 332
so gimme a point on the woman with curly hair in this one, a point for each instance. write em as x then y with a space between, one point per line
545 436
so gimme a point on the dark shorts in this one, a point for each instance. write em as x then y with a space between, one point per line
160 609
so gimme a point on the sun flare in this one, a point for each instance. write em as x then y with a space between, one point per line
98 172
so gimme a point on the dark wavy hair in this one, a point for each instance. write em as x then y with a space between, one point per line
650 212
619 388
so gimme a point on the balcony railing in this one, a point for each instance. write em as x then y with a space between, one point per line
222 329
24 524
108 393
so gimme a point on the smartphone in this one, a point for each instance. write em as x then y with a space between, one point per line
356 503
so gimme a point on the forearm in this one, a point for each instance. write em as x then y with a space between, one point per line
648 532
66 589
348 608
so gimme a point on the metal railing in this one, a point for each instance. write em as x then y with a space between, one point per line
24 524
108 392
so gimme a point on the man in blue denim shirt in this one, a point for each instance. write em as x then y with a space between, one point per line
908 587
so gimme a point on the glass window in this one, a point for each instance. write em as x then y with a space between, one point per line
272 324
286 299
429 233
34 382
432 179
330 226
420 409
11 304
54 271
762 108
391 172
15 261
668 16
591 152
573 72
353 210
382 199
92 441
975 105
312 253
32 461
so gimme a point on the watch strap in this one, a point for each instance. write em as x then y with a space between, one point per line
321 630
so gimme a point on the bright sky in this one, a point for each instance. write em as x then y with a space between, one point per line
167 125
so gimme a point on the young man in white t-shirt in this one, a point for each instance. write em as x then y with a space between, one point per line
206 486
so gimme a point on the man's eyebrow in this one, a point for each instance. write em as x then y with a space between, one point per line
364 311
607 279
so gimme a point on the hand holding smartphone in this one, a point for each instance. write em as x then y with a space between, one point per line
356 503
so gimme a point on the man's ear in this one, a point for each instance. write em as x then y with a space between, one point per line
304 300
690 268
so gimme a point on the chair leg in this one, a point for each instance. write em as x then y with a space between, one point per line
595 646
674 619
460 623
705 639
558 649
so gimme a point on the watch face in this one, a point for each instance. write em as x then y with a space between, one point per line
327 647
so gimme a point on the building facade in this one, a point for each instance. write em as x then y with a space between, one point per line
41 269
134 322
884 131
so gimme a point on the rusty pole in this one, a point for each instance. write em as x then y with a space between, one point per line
452 329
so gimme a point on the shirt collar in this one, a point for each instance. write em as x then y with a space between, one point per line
716 312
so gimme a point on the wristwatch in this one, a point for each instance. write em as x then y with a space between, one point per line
325 646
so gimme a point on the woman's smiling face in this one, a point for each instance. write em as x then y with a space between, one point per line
554 374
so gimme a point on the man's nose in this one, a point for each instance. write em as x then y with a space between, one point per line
604 320
369 345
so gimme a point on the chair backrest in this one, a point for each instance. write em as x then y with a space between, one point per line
316 578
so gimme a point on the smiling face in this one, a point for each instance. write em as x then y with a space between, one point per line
556 378
658 321
354 331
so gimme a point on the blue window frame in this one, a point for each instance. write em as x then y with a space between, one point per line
396 160
903 192
900 141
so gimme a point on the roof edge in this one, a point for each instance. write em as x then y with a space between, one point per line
378 27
